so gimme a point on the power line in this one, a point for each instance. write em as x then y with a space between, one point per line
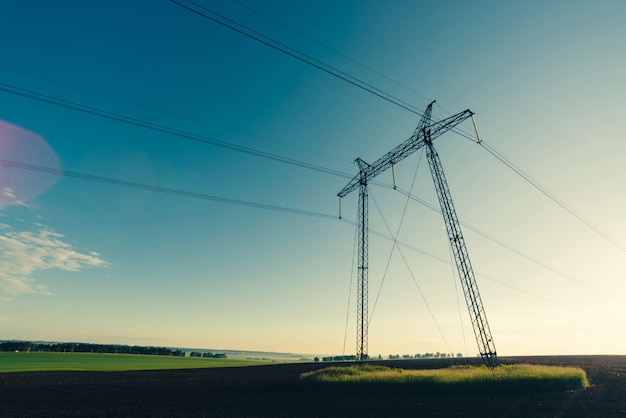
517 170
311 61
152 109
159 189
341 54
545 299
275 157
294 53
389 236
551 196
256 205
307 59
497 241
165 129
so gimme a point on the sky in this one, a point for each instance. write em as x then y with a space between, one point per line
247 251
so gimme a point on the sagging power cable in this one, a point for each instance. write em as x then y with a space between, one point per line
159 189
168 113
551 195
165 129
209 14
499 242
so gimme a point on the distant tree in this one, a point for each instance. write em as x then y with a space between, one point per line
83 348
316 359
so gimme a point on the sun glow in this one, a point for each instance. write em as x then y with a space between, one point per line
18 145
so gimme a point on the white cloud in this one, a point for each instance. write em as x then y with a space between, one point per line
8 192
7 196
22 253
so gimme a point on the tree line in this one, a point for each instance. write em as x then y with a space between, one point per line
207 354
391 357
337 358
28 346
424 355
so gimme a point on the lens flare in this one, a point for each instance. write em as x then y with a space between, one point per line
18 186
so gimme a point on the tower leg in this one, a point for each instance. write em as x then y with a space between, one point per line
474 302
362 287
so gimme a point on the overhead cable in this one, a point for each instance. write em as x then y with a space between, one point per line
554 302
341 54
209 14
551 196
207 140
159 189
165 129
164 112
497 241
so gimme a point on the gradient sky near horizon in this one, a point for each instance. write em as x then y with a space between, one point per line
95 262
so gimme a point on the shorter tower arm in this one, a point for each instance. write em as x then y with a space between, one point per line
408 147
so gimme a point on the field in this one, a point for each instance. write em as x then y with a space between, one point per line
32 362
276 391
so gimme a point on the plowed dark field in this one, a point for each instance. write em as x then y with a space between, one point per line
275 391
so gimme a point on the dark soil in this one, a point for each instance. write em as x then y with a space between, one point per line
275 391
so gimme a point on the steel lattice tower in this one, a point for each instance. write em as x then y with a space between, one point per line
422 136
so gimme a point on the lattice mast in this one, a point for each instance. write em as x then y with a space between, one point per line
362 288
423 135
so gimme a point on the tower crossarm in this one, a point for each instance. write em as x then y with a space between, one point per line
408 147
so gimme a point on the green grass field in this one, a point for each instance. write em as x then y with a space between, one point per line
35 362
506 378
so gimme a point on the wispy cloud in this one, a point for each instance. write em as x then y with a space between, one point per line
22 253
7 196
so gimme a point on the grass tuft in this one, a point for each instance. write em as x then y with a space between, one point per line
505 378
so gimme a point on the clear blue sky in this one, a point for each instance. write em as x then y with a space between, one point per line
87 261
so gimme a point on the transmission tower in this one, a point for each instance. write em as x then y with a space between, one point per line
422 136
